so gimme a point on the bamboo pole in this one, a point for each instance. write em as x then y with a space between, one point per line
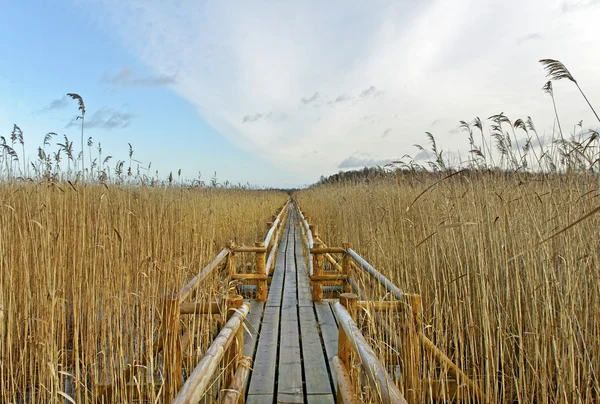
317 286
261 285
379 379
191 285
379 305
235 393
345 390
324 249
348 301
235 350
385 282
250 277
249 249
345 269
327 277
452 368
198 382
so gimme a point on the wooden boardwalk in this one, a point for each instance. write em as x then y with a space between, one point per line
292 339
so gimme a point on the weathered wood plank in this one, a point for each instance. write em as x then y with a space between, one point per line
316 375
329 330
289 388
260 399
320 399
252 324
263 375
304 291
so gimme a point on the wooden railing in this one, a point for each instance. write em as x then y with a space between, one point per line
227 348
265 254
408 342
351 341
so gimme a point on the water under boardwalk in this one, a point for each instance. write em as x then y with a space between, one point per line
297 338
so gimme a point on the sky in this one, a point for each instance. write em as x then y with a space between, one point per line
278 93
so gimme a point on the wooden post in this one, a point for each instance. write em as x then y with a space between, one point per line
314 229
346 265
261 285
411 352
236 349
231 270
348 300
172 358
317 286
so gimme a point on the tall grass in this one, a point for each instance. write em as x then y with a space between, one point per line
82 279
528 327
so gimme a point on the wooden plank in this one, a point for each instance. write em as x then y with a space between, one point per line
316 375
329 330
263 375
304 291
320 399
276 288
259 399
289 387
253 325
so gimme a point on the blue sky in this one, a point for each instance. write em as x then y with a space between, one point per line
278 93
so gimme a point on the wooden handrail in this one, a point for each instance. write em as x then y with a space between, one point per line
276 223
309 238
379 379
191 285
198 382
273 250
385 282
345 391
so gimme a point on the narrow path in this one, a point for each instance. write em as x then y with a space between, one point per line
293 338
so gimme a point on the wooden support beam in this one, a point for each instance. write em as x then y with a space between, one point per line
232 302
250 249
235 392
250 277
317 287
326 250
379 305
454 370
235 350
349 334
193 284
345 390
200 379
345 269
261 285
326 277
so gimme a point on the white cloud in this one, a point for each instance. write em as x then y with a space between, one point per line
320 68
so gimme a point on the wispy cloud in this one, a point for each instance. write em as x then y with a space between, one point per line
574 5
357 162
309 100
55 105
400 64
105 118
370 92
271 116
127 78
529 37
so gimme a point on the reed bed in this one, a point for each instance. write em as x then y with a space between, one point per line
83 274
521 319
